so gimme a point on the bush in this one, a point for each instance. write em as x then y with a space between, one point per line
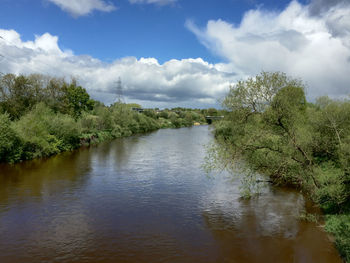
117 131
89 123
339 226
151 113
331 193
66 129
33 130
164 114
43 133
105 118
10 144
42 116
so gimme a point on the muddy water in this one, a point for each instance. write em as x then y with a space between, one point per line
145 199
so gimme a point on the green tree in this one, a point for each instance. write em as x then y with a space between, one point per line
77 99
266 128
17 95
272 129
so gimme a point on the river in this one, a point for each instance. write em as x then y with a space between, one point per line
146 199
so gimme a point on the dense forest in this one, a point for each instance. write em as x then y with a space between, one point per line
41 116
275 132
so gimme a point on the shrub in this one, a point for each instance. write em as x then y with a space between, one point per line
339 226
10 144
88 123
331 193
33 130
66 129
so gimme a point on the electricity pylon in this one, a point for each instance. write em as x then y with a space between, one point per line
119 90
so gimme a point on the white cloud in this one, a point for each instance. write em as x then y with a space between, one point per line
314 46
303 40
82 8
157 2
187 82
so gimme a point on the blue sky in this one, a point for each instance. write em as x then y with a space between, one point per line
189 51
140 30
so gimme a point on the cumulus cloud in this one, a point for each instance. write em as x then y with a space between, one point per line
82 8
157 2
317 7
305 41
187 82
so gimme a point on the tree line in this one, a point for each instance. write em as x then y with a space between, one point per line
275 131
41 116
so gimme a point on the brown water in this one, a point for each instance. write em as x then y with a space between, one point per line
145 199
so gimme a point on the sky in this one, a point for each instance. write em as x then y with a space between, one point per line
171 53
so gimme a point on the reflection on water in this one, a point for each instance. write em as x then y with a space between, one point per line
265 229
145 199
39 179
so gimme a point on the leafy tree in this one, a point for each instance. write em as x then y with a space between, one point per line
77 100
17 95
271 127
273 130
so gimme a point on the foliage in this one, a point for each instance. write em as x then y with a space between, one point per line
76 99
43 133
273 130
9 141
33 130
339 226
41 116
18 94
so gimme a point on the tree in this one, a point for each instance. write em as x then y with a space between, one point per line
272 129
264 127
256 94
76 99
17 95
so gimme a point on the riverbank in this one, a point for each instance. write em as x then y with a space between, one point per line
42 132
42 116
144 198
276 132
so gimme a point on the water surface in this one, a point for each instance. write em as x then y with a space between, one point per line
145 199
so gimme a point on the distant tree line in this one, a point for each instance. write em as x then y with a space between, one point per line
41 116
274 131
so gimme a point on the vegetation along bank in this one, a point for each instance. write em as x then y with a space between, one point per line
274 131
42 116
